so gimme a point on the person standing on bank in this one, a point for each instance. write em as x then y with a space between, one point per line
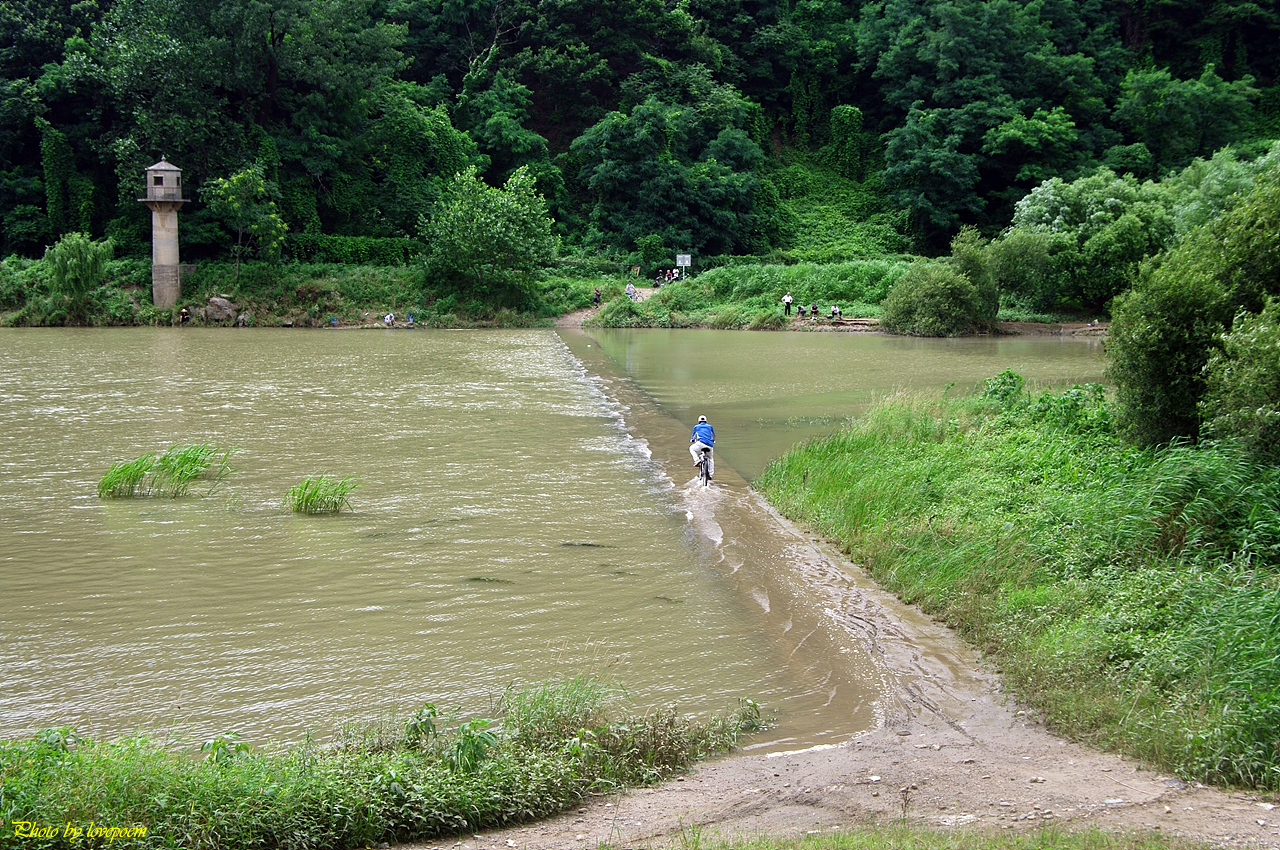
704 437
786 304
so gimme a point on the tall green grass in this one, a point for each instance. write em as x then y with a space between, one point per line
1131 596
750 296
424 777
169 475
320 494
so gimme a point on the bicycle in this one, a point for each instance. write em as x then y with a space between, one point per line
704 467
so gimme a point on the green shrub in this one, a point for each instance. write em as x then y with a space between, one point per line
1164 330
620 313
17 278
77 267
381 781
933 299
1242 384
1029 267
353 250
767 320
866 281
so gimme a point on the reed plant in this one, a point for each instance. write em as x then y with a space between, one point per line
1131 596
424 778
171 474
320 494
127 479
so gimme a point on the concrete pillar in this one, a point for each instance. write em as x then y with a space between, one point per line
166 281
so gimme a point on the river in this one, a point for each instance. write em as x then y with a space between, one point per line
524 513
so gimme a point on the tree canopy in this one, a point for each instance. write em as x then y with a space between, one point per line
636 118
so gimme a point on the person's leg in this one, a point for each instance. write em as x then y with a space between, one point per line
693 450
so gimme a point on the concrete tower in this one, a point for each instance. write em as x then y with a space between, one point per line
164 198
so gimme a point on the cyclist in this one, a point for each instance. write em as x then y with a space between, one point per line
704 437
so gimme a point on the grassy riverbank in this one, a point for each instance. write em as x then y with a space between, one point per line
293 294
750 296
1133 597
426 776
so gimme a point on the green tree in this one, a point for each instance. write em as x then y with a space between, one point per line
414 151
687 173
245 202
1180 119
1029 267
981 99
77 267
1110 224
1242 384
1164 331
487 242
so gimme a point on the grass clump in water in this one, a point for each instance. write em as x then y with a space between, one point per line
320 494
169 475
1132 596
429 776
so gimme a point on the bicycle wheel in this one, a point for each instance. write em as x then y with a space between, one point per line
704 470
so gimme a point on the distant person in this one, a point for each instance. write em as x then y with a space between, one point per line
631 290
704 437
410 319
184 316
786 304
389 319
835 311
800 311
813 310
595 299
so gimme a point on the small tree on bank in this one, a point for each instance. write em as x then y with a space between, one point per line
245 203
488 241
77 267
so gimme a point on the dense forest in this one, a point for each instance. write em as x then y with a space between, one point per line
818 130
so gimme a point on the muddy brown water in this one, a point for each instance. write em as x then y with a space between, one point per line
526 512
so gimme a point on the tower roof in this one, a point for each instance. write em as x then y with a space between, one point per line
164 165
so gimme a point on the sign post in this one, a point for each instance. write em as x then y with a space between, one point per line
683 261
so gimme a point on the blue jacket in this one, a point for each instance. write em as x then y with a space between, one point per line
704 433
